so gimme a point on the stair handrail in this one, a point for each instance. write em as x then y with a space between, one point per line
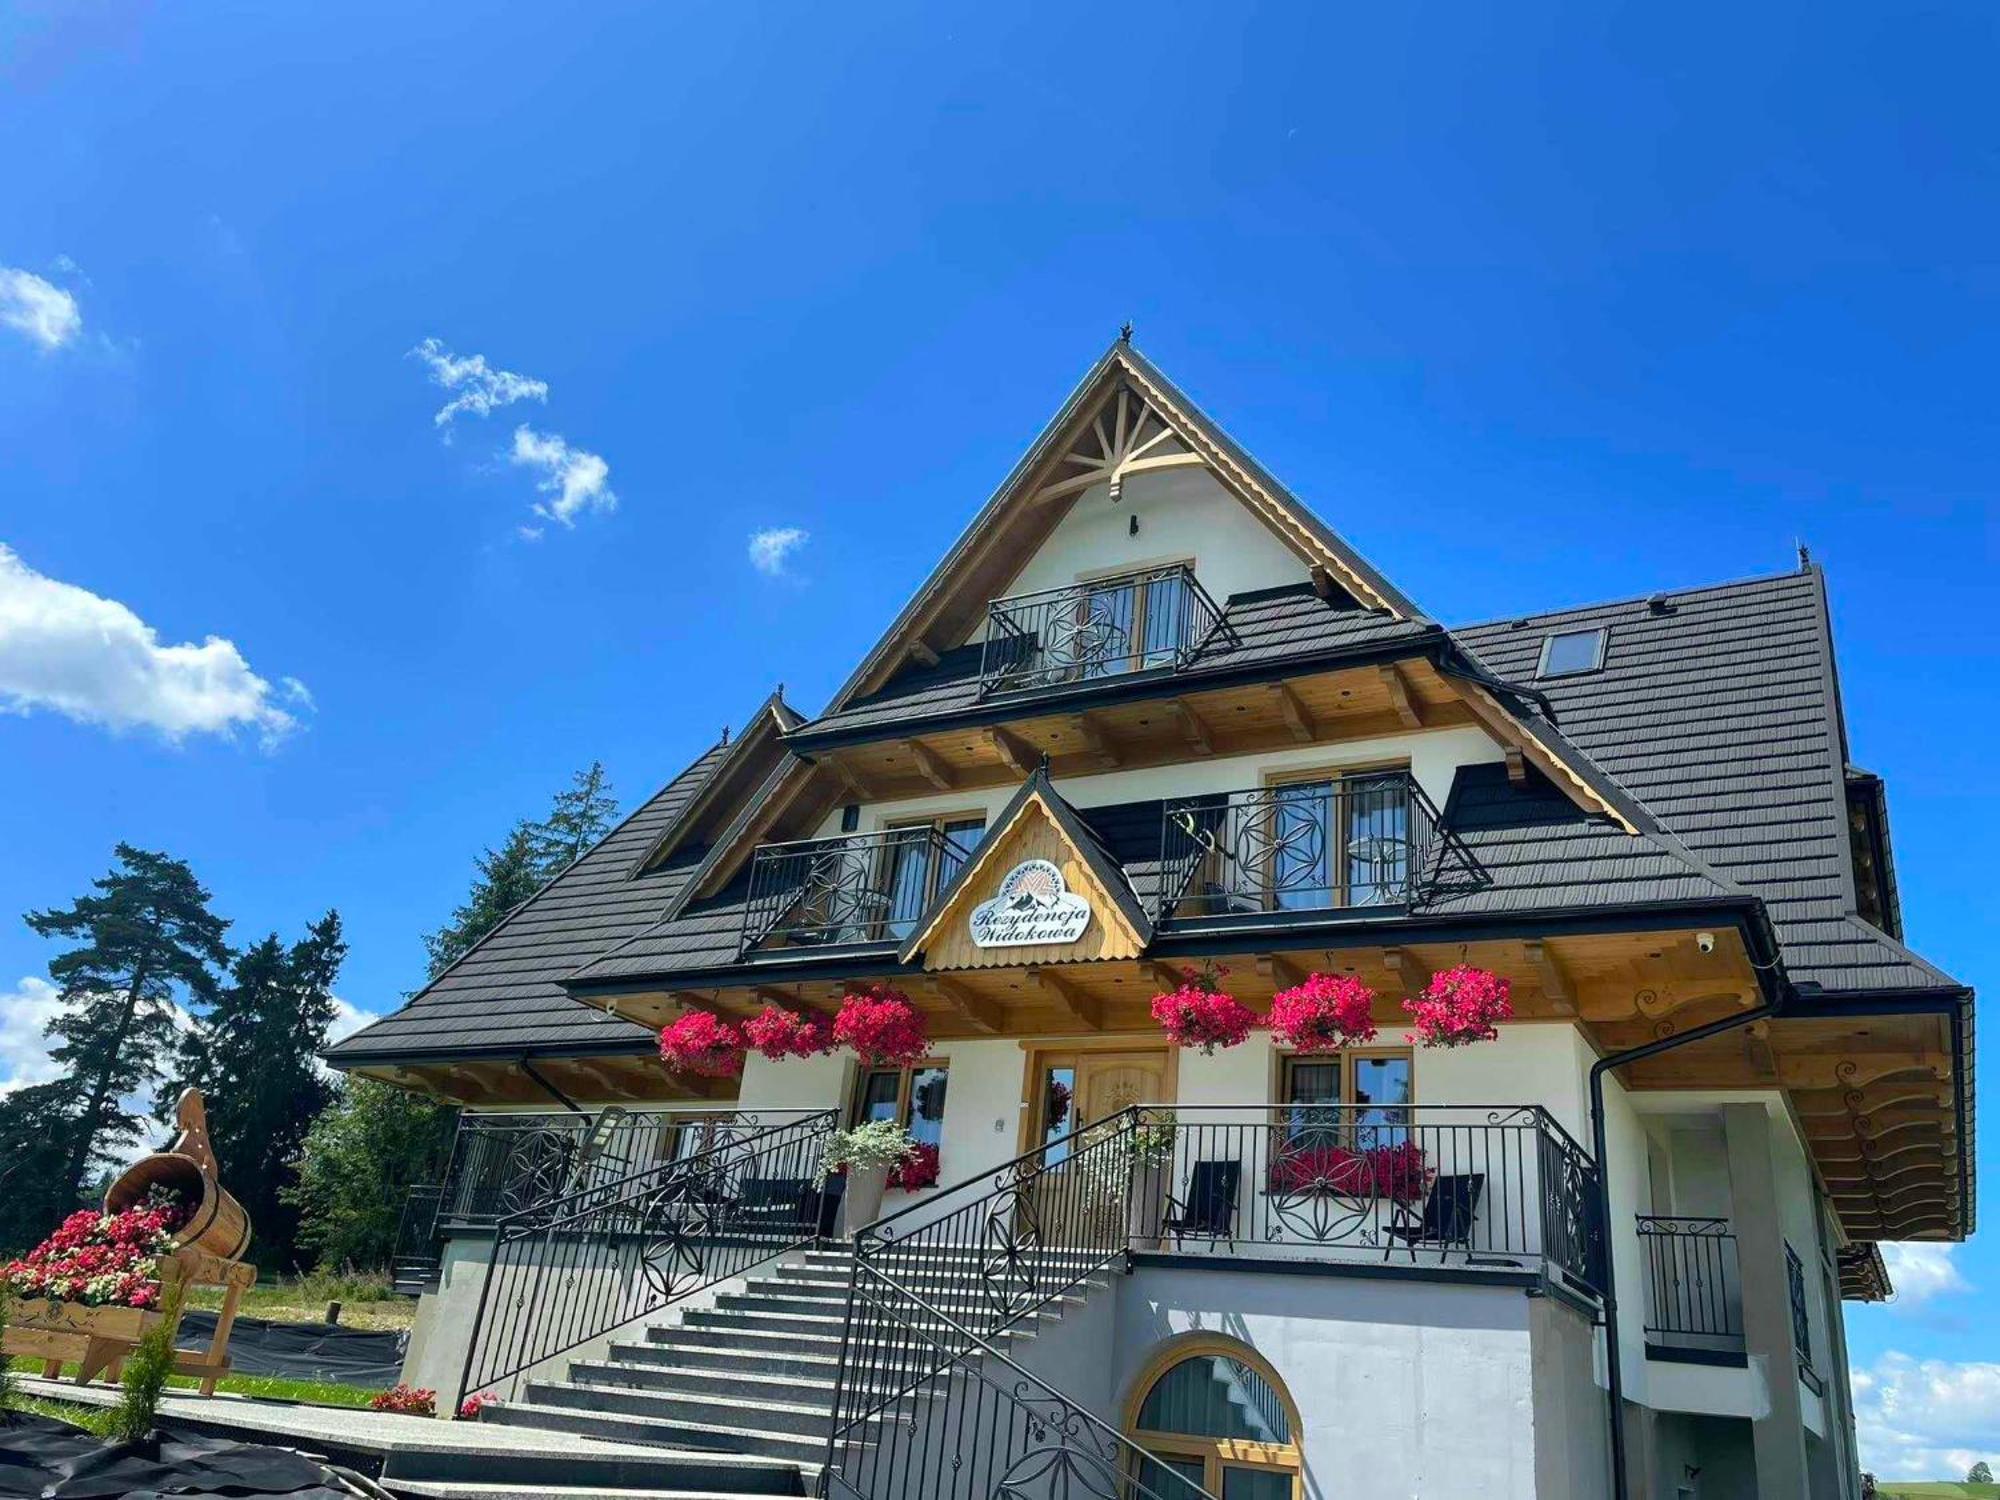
1074 1419
621 1230
1024 1260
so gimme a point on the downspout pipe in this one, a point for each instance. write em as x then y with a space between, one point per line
553 1092
1613 1359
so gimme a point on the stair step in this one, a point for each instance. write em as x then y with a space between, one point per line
679 1356
452 1489
784 1429
647 1457
714 1439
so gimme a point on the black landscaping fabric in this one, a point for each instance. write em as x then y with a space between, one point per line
43 1459
304 1351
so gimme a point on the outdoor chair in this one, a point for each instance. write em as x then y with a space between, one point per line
1450 1208
1209 1209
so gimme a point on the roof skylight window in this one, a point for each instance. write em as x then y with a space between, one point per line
1569 652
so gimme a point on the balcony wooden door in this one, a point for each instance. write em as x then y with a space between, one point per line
1107 1082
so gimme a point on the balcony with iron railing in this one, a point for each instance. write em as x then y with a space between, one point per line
1357 841
1694 1290
1155 619
853 889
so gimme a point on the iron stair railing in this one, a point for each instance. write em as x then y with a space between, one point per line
574 1268
925 1406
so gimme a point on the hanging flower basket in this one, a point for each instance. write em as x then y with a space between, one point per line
1199 1014
882 1028
917 1170
1460 1006
777 1033
703 1045
1324 1014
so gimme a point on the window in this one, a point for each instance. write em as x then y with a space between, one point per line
1218 1420
912 1097
1125 623
1338 840
1569 652
1377 1085
919 867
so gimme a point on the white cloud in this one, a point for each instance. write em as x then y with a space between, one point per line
348 1019
479 387
24 1050
1926 1419
1920 1271
771 549
93 660
43 311
576 477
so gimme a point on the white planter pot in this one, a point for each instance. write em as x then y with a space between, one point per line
1143 1214
862 1203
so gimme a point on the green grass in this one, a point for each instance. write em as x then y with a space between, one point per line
365 1300
1936 1489
92 1419
268 1387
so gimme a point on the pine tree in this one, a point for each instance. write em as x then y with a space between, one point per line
507 876
144 938
252 1054
579 818
36 1124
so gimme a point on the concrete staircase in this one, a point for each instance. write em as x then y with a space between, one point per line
742 1389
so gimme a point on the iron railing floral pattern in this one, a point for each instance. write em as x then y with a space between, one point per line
574 1267
1360 840
1795 1287
849 888
1096 629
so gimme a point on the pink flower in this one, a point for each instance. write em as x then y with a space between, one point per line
1324 1014
470 1408
777 1033
1459 1006
1200 1015
917 1170
413 1401
882 1028
703 1045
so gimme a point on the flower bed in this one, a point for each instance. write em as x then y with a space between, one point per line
1395 1172
101 1260
703 1045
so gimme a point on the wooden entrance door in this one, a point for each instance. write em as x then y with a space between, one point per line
1107 1082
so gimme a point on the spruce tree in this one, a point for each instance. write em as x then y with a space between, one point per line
36 1125
356 1167
579 818
506 877
253 1053
145 941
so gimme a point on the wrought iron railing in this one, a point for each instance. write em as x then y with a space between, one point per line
925 1405
1693 1287
851 888
1500 1188
506 1162
1795 1285
1106 627
1359 840
417 1254
579 1266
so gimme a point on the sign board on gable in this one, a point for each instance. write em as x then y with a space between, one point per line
1035 906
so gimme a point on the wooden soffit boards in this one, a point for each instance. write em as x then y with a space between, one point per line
1033 829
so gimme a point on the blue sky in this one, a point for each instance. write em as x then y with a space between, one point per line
1564 303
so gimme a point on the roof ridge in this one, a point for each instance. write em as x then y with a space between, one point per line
1746 581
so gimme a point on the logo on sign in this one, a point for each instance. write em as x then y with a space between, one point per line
1035 906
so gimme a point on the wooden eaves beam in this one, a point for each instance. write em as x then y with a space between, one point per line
1082 1008
1192 729
931 766
1408 708
1015 755
970 1007
1300 722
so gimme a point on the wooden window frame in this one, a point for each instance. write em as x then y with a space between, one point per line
1346 1057
885 875
1216 1454
1337 872
1135 656
903 1088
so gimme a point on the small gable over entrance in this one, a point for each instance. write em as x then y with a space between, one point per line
1041 890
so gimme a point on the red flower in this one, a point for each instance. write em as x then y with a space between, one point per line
102 1260
917 1170
470 1408
1459 1006
882 1027
778 1033
1324 1014
411 1401
702 1044
1396 1172
1200 1015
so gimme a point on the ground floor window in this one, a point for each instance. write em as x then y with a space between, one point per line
914 1098
1378 1084
1215 1416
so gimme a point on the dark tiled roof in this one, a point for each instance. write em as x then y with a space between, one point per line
506 993
1718 711
1261 629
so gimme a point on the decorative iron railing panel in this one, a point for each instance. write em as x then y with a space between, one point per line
507 1162
1795 1286
1101 628
576 1267
851 888
1363 840
1694 1296
1501 1188
924 1404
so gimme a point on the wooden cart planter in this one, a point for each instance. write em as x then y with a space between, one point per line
208 1250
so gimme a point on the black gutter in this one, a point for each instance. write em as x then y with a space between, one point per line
557 1094
626 1047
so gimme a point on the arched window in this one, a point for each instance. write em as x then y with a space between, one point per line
1215 1415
